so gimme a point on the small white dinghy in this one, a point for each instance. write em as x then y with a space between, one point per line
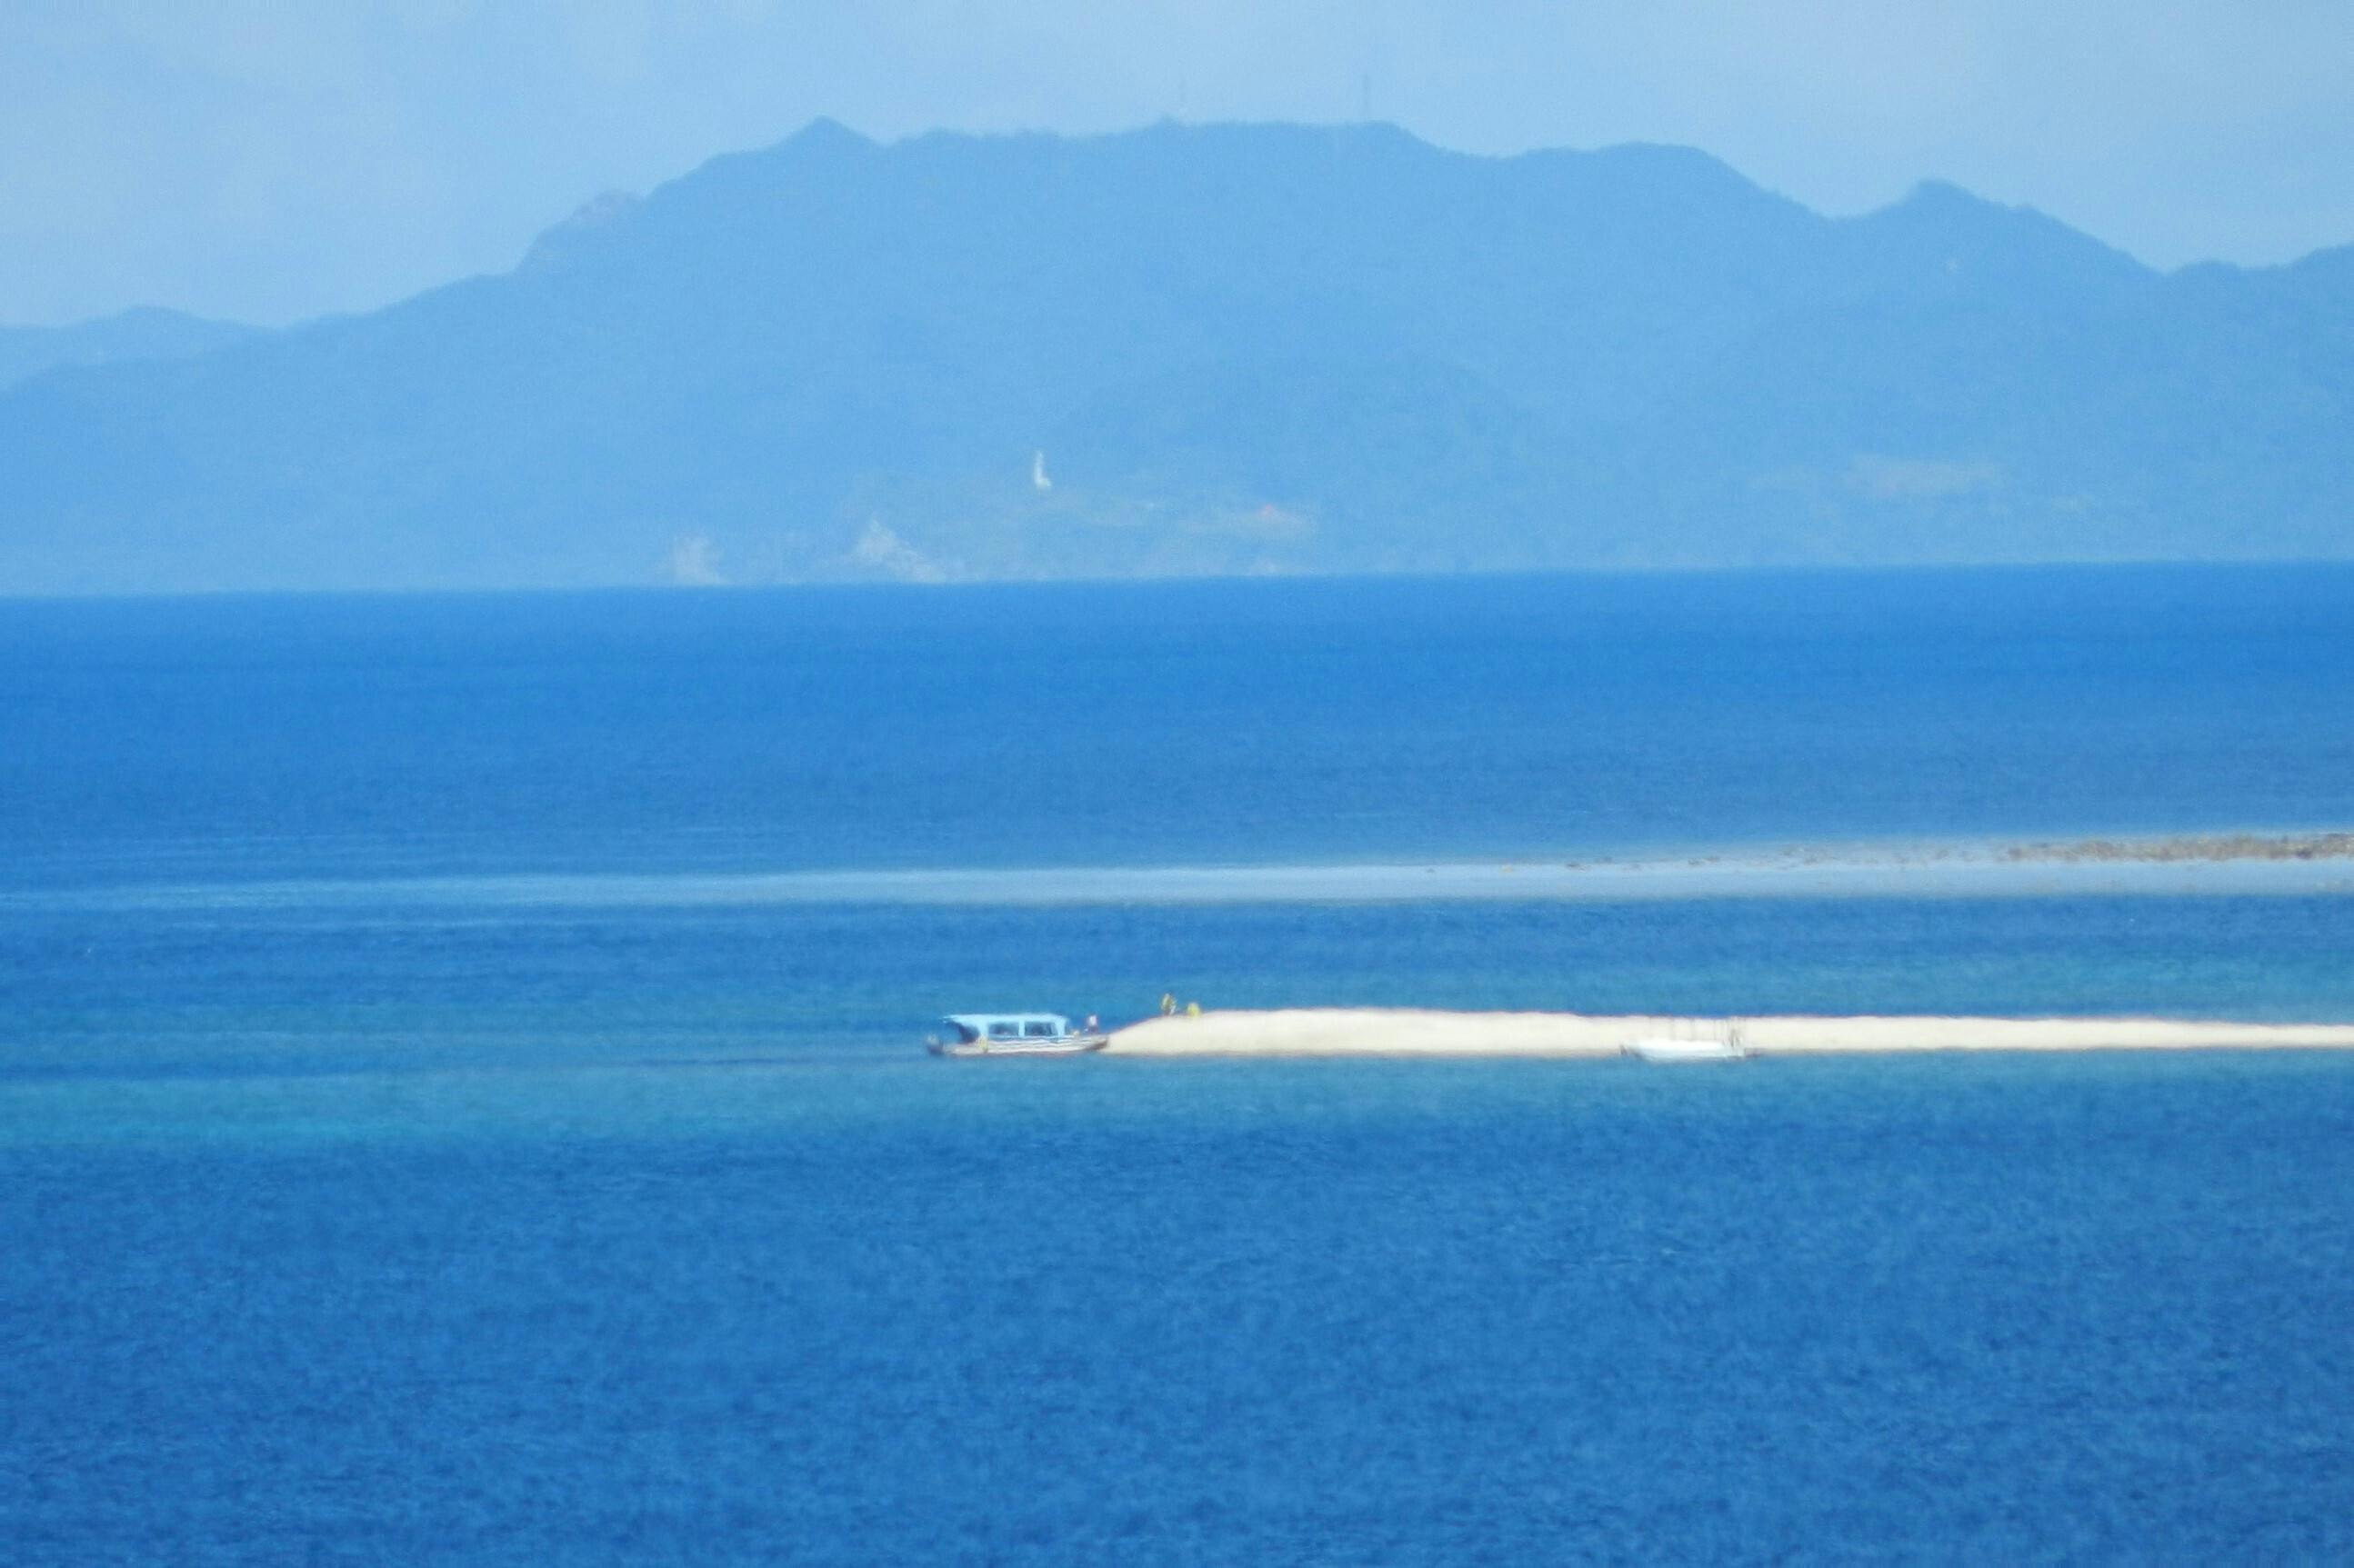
1013 1035
1720 1043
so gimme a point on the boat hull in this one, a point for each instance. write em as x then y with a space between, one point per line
1069 1045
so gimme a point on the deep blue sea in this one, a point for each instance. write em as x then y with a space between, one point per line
461 1099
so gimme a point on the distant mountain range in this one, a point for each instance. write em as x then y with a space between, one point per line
1203 350
26 351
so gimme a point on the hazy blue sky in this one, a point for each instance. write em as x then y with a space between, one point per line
266 159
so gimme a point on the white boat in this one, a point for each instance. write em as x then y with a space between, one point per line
1013 1035
1723 1044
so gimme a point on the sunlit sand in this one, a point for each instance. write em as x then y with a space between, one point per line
1406 1032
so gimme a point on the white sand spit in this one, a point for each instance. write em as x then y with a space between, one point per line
1410 1032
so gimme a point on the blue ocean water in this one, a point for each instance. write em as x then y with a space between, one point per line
354 1213
883 1312
228 740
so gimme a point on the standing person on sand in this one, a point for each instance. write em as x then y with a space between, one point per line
1168 1004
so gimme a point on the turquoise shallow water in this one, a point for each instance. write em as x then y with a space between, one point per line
232 991
406 1157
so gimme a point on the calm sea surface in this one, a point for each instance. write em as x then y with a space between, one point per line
425 1138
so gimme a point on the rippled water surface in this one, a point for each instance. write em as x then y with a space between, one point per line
890 1310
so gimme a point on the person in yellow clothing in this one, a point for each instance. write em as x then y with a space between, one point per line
1192 1010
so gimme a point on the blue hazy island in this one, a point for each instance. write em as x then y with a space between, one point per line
1207 350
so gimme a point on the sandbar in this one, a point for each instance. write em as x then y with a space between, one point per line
1414 1031
2234 864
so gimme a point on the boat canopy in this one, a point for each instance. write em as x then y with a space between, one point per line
969 1027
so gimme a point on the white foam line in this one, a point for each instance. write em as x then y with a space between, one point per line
1774 875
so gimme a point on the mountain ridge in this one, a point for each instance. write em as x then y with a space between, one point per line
1241 348
143 331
